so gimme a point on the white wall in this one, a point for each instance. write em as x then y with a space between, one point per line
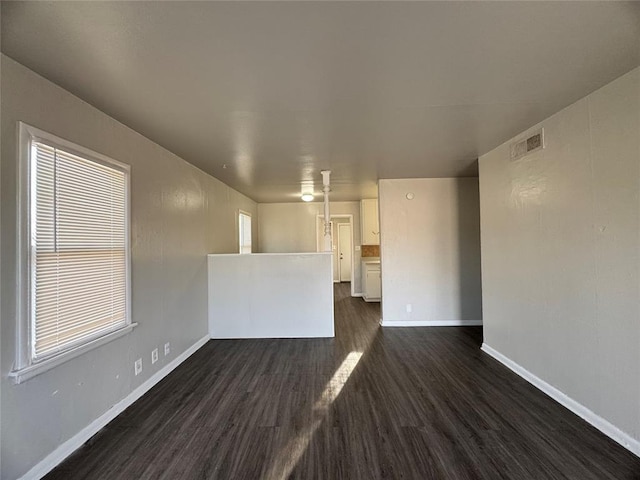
275 295
430 251
560 253
179 214
291 228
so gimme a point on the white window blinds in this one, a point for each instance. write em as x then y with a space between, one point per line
245 232
78 250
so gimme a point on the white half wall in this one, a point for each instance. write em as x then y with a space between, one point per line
291 228
271 295
430 252
561 254
178 215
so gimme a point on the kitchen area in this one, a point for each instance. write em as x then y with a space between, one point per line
370 251
286 289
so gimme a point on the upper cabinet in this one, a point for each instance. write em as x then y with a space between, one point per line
369 221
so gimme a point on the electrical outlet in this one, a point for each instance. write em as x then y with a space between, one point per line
409 308
154 355
138 366
167 348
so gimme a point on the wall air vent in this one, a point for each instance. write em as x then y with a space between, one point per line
529 145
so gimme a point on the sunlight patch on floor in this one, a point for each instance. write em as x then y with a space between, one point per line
289 456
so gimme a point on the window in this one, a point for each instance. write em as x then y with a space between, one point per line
244 221
75 251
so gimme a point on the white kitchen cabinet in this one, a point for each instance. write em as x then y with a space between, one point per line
369 221
371 284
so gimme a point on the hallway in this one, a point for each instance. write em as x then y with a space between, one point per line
416 403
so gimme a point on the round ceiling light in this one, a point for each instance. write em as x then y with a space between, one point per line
307 197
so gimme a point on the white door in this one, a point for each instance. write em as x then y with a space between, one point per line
344 251
334 250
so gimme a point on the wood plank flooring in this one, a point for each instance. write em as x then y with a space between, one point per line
412 403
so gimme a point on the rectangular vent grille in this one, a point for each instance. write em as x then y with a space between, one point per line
529 145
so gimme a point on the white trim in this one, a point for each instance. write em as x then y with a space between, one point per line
34 369
433 323
67 448
25 364
23 261
356 294
606 427
320 247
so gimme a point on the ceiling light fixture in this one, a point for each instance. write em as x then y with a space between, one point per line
307 197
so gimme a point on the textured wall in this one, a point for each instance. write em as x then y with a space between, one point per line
179 214
430 248
291 228
560 253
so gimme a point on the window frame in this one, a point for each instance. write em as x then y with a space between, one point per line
240 236
26 365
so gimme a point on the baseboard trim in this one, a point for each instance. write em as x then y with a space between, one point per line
583 412
356 294
433 323
67 448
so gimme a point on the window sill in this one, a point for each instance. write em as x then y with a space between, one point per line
24 374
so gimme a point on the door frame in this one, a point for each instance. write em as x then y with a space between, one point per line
339 238
320 245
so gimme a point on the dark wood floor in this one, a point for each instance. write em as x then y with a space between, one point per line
414 403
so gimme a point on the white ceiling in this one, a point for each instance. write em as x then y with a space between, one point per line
279 91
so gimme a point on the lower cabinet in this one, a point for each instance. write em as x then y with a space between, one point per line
371 288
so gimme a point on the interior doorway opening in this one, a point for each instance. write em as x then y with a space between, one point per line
342 246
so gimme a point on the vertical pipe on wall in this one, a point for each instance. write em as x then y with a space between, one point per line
327 215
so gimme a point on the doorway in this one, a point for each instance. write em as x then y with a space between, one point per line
344 252
342 246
